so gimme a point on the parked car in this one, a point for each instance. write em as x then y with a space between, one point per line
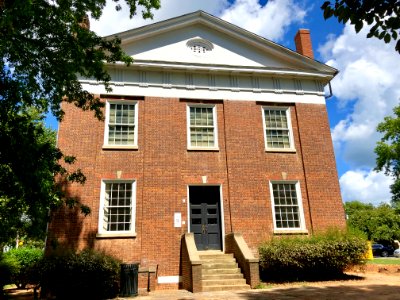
396 253
382 250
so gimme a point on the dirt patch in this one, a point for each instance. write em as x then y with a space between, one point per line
372 268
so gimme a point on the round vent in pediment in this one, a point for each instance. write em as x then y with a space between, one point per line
200 46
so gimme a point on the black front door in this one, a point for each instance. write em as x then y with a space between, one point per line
205 218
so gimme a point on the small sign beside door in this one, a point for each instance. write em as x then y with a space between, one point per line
177 219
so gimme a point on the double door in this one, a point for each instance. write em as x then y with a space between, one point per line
205 217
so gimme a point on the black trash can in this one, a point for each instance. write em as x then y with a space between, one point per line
129 280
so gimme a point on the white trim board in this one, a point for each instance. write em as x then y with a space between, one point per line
205 94
169 279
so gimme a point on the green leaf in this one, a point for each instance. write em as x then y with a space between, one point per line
383 16
387 38
358 26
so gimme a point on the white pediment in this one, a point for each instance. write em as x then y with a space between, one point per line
176 47
170 42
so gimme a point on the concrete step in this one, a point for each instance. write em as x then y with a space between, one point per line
221 282
219 276
218 265
216 256
213 288
221 271
211 252
219 259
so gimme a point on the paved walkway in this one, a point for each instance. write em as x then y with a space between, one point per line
373 286
376 286
381 292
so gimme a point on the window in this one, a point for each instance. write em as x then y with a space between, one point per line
200 46
121 124
287 206
117 207
277 129
202 128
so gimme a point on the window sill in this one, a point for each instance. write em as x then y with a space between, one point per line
290 231
116 235
203 149
289 150
120 147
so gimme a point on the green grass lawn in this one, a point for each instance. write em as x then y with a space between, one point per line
384 261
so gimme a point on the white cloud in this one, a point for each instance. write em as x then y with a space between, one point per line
270 21
112 21
365 186
367 84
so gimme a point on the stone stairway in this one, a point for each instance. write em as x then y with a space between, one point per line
220 272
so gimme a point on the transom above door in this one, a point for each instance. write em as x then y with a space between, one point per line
205 216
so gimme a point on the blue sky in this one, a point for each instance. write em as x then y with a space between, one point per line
365 90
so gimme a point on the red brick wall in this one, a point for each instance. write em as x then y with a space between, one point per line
251 169
163 168
320 167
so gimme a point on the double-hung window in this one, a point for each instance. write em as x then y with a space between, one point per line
202 127
117 209
121 124
287 206
277 129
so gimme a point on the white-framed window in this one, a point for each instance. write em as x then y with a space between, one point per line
278 133
202 127
121 124
287 206
200 46
117 207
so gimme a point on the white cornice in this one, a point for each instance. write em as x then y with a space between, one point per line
263 95
226 69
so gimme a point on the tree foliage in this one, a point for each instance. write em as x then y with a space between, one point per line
382 15
388 151
380 224
46 46
21 265
29 162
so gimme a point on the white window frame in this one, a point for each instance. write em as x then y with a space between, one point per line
302 228
290 129
122 233
214 110
106 145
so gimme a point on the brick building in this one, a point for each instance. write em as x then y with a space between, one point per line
213 130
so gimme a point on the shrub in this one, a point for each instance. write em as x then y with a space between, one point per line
5 272
85 275
20 264
307 258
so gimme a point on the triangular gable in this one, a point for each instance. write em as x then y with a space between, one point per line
171 41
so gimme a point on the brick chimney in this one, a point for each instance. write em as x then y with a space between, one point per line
303 43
